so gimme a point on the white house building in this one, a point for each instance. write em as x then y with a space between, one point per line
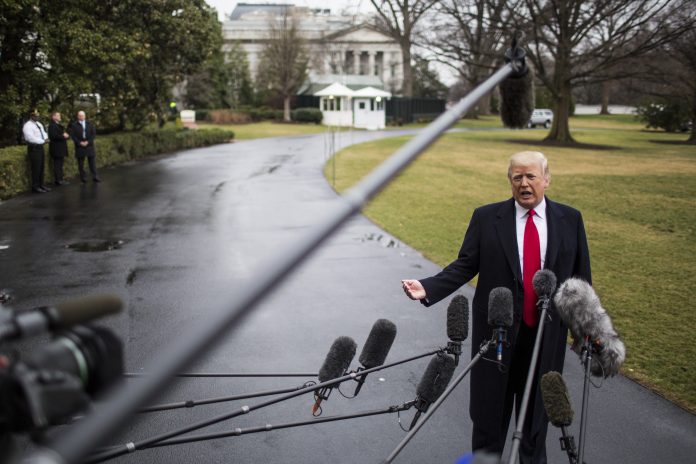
363 108
338 44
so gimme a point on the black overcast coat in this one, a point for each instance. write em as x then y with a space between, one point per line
490 250
76 135
58 145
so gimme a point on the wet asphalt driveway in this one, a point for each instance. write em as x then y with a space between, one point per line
185 231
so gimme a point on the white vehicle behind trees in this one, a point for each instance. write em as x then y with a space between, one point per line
541 117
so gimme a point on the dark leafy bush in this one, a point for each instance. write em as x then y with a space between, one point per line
313 115
670 115
111 150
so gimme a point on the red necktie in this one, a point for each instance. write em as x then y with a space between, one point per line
531 263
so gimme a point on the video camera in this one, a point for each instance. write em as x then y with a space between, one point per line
57 380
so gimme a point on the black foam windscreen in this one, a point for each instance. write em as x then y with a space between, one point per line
554 393
500 307
544 283
517 100
70 313
378 343
458 319
436 377
338 359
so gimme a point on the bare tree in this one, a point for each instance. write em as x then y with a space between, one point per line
398 19
586 40
284 59
469 36
670 71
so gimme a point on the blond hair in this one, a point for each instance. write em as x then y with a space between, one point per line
526 158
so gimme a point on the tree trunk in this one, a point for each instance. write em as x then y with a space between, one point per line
692 137
286 108
407 86
560 130
606 90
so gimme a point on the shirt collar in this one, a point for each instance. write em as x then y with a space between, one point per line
540 210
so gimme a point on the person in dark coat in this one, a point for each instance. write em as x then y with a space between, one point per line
57 147
505 244
83 133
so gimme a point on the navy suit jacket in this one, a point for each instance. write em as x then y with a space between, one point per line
490 250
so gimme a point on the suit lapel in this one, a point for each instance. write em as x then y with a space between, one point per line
554 217
507 234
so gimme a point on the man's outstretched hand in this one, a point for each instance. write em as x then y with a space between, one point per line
413 289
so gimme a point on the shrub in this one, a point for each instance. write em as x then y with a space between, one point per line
111 150
670 115
307 115
228 117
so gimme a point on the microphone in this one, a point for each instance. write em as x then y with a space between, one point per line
581 311
500 316
337 361
544 283
457 325
434 381
376 348
517 91
21 324
554 393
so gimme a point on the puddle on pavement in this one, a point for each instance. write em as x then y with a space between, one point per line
92 247
384 240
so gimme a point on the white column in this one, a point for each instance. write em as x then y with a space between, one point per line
371 63
356 61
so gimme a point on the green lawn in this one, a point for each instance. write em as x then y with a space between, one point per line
638 198
266 129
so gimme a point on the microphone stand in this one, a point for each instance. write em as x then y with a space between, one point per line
517 436
587 351
269 427
416 427
229 374
130 447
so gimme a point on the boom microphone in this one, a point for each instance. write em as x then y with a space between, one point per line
433 383
337 361
500 316
554 393
21 324
580 309
517 91
376 348
457 325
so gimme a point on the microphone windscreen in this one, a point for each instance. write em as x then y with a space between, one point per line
554 393
338 359
458 319
436 377
378 343
517 100
580 309
70 313
610 358
500 307
544 283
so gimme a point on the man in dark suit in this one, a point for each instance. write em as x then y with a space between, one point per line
57 147
83 134
505 244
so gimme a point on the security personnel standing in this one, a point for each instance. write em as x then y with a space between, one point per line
35 136
83 134
57 147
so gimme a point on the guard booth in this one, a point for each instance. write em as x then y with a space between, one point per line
363 108
335 105
368 108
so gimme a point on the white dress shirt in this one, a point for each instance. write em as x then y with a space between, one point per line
34 132
521 214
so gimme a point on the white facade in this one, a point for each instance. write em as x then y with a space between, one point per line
337 44
363 109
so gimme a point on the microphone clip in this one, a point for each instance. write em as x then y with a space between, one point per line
455 349
517 56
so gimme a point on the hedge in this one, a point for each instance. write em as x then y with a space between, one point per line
111 150
307 115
